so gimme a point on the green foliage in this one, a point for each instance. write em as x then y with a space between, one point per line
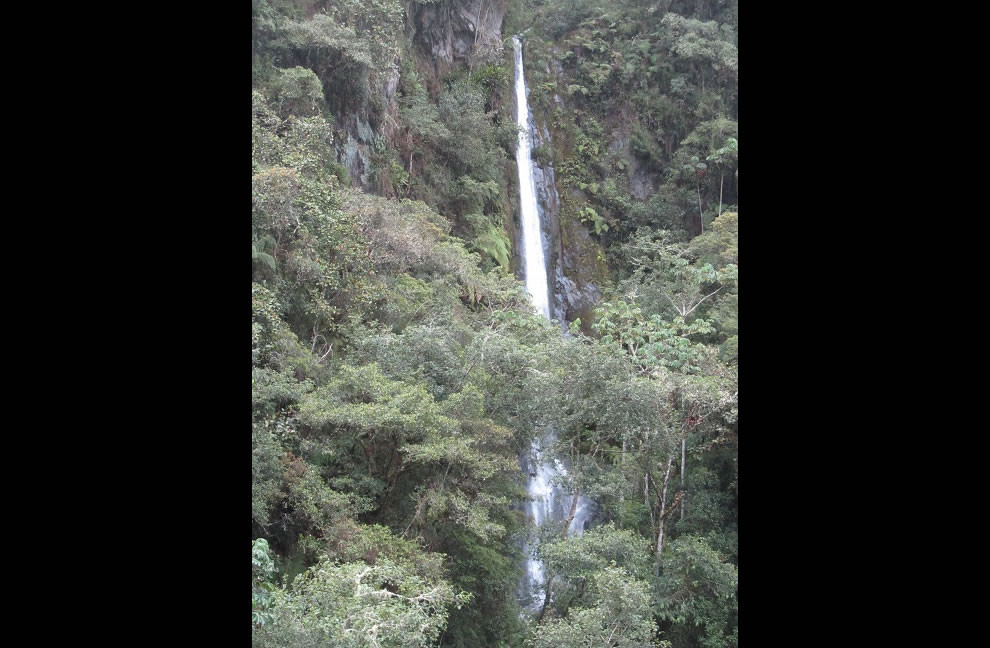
729 353
727 153
719 245
471 148
574 89
362 606
588 214
489 239
418 112
677 280
696 594
619 617
258 254
651 342
298 91
398 371
575 561
361 402
494 79
262 572
425 352
701 44
266 473
364 31
472 452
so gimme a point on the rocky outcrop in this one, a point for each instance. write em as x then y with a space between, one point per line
642 183
358 133
575 293
567 249
357 137
445 32
451 30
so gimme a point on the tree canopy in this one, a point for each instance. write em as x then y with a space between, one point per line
400 376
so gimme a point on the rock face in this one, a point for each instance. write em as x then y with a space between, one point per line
572 293
446 31
358 134
451 29
641 181
548 201
572 300
575 294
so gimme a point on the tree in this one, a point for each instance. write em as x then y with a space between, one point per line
686 284
652 342
356 605
259 255
620 617
701 45
724 157
696 595
262 572
668 271
298 91
574 561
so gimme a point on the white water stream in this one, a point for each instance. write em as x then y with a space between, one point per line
536 268
547 501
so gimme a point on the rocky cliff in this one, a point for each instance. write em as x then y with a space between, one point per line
574 262
443 33
451 30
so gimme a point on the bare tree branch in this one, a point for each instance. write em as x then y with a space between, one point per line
703 299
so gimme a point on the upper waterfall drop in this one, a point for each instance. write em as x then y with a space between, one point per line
535 262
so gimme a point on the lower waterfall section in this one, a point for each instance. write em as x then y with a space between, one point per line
549 506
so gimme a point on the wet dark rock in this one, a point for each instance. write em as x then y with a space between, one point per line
450 29
573 301
357 135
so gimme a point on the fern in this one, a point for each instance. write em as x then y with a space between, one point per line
494 243
258 253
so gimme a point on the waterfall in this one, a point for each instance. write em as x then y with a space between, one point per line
535 268
547 501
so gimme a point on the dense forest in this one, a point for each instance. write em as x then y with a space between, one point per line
400 373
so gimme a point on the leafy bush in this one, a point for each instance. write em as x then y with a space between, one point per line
298 91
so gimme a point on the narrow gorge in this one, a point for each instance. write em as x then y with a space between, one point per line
494 324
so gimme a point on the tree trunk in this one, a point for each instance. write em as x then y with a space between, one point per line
721 179
663 510
701 213
646 501
570 518
622 494
412 152
567 525
546 600
683 457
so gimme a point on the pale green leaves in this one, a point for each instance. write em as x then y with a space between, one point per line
356 605
262 571
363 402
650 342
589 215
697 588
725 153
580 557
619 618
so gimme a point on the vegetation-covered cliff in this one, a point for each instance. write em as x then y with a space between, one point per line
399 371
